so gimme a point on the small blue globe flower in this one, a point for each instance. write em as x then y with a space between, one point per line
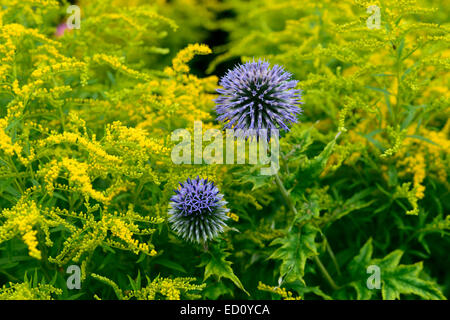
197 211
256 97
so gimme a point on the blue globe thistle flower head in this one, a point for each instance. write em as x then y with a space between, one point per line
257 98
197 211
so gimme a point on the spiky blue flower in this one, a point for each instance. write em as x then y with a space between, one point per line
197 211
256 97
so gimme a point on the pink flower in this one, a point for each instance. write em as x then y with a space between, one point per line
61 29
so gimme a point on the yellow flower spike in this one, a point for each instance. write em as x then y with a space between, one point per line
30 240
187 54
233 216
282 292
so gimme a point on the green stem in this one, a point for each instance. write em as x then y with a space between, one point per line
398 69
325 273
291 206
285 194
333 257
16 180
287 198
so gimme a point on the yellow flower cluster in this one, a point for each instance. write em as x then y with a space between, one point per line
94 148
79 176
40 3
414 156
49 71
30 240
116 63
182 102
112 230
24 291
398 137
7 51
13 33
144 144
439 151
125 231
233 216
48 54
184 56
158 289
169 289
6 145
416 166
74 155
418 155
282 292
20 221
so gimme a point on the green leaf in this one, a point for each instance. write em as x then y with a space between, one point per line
399 279
303 289
357 268
362 260
135 284
396 278
216 265
411 112
311 169
214 290
254 177
371 139
76 296
416 136
295 249
354 203
169 264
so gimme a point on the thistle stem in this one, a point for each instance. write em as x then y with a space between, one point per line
325 273
285 194
291 206
333 257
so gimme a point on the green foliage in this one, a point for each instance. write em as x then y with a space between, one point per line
29 289
158 289
396 278
295 249
86 173
216 265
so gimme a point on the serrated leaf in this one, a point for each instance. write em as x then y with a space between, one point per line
217 289
295 249
311 169
216 265
362 260
302 289
362 292
396 278
399 279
